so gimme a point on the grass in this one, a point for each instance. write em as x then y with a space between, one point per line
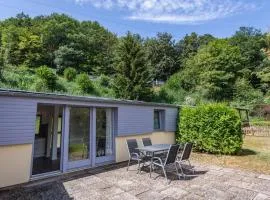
254 156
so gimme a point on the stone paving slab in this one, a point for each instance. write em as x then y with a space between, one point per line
114 182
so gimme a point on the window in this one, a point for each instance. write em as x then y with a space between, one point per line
104 134
79 126
158 119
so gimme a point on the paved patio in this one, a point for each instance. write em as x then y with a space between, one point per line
114 182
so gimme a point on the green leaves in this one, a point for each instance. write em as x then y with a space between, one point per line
213 128
132 79
84 83
47 76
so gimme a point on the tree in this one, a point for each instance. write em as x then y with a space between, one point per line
189 45
30 48
245 94
132 79
10 46
162 56
68 57
55 30
21 46
101 44
213 70
250 42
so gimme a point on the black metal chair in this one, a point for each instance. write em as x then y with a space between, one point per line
135 154
183 159
168 161
146 142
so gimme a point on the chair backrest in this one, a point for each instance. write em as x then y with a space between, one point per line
172 153
187 151
146 142
132 145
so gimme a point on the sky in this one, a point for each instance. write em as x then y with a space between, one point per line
220 18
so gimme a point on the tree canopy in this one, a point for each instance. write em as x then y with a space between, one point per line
132 79
61 54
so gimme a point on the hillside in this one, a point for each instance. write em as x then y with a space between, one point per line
58 53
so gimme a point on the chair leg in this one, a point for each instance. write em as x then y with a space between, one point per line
182 172
139 167
150 169
143 163
164 171
191 167
128 164
176 168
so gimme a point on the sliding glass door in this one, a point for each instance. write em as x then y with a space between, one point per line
104 135
89 137
79 137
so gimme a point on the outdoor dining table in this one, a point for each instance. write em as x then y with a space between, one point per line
152 149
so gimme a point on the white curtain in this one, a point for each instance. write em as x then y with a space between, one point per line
109 141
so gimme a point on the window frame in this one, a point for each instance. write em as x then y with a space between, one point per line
161 118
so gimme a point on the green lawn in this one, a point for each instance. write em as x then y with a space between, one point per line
254 156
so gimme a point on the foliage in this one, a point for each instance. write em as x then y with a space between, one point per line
132 80
196 68
190 44
70 73
250 42
21 77
162 56
67 57
171 91
48 78
213 128
105 81
245 94
84 83
213 70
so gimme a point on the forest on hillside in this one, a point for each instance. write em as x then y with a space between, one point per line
58 53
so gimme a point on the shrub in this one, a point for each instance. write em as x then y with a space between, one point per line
104 80
84 83
1 73
48 76
213 128
70 73
39 86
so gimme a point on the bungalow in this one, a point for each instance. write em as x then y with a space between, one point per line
45 134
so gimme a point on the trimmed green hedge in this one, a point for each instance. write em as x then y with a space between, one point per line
212 128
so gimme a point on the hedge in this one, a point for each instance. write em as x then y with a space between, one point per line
212 128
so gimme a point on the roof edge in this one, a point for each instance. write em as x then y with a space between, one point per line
61 96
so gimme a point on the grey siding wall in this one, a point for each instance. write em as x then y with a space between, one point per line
171 115
17 120
139 119
134 120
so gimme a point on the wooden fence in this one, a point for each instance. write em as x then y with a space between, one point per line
257 130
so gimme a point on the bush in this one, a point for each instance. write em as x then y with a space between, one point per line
104 80
84 83
213 128
1 73
39 86
48 76
70 73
